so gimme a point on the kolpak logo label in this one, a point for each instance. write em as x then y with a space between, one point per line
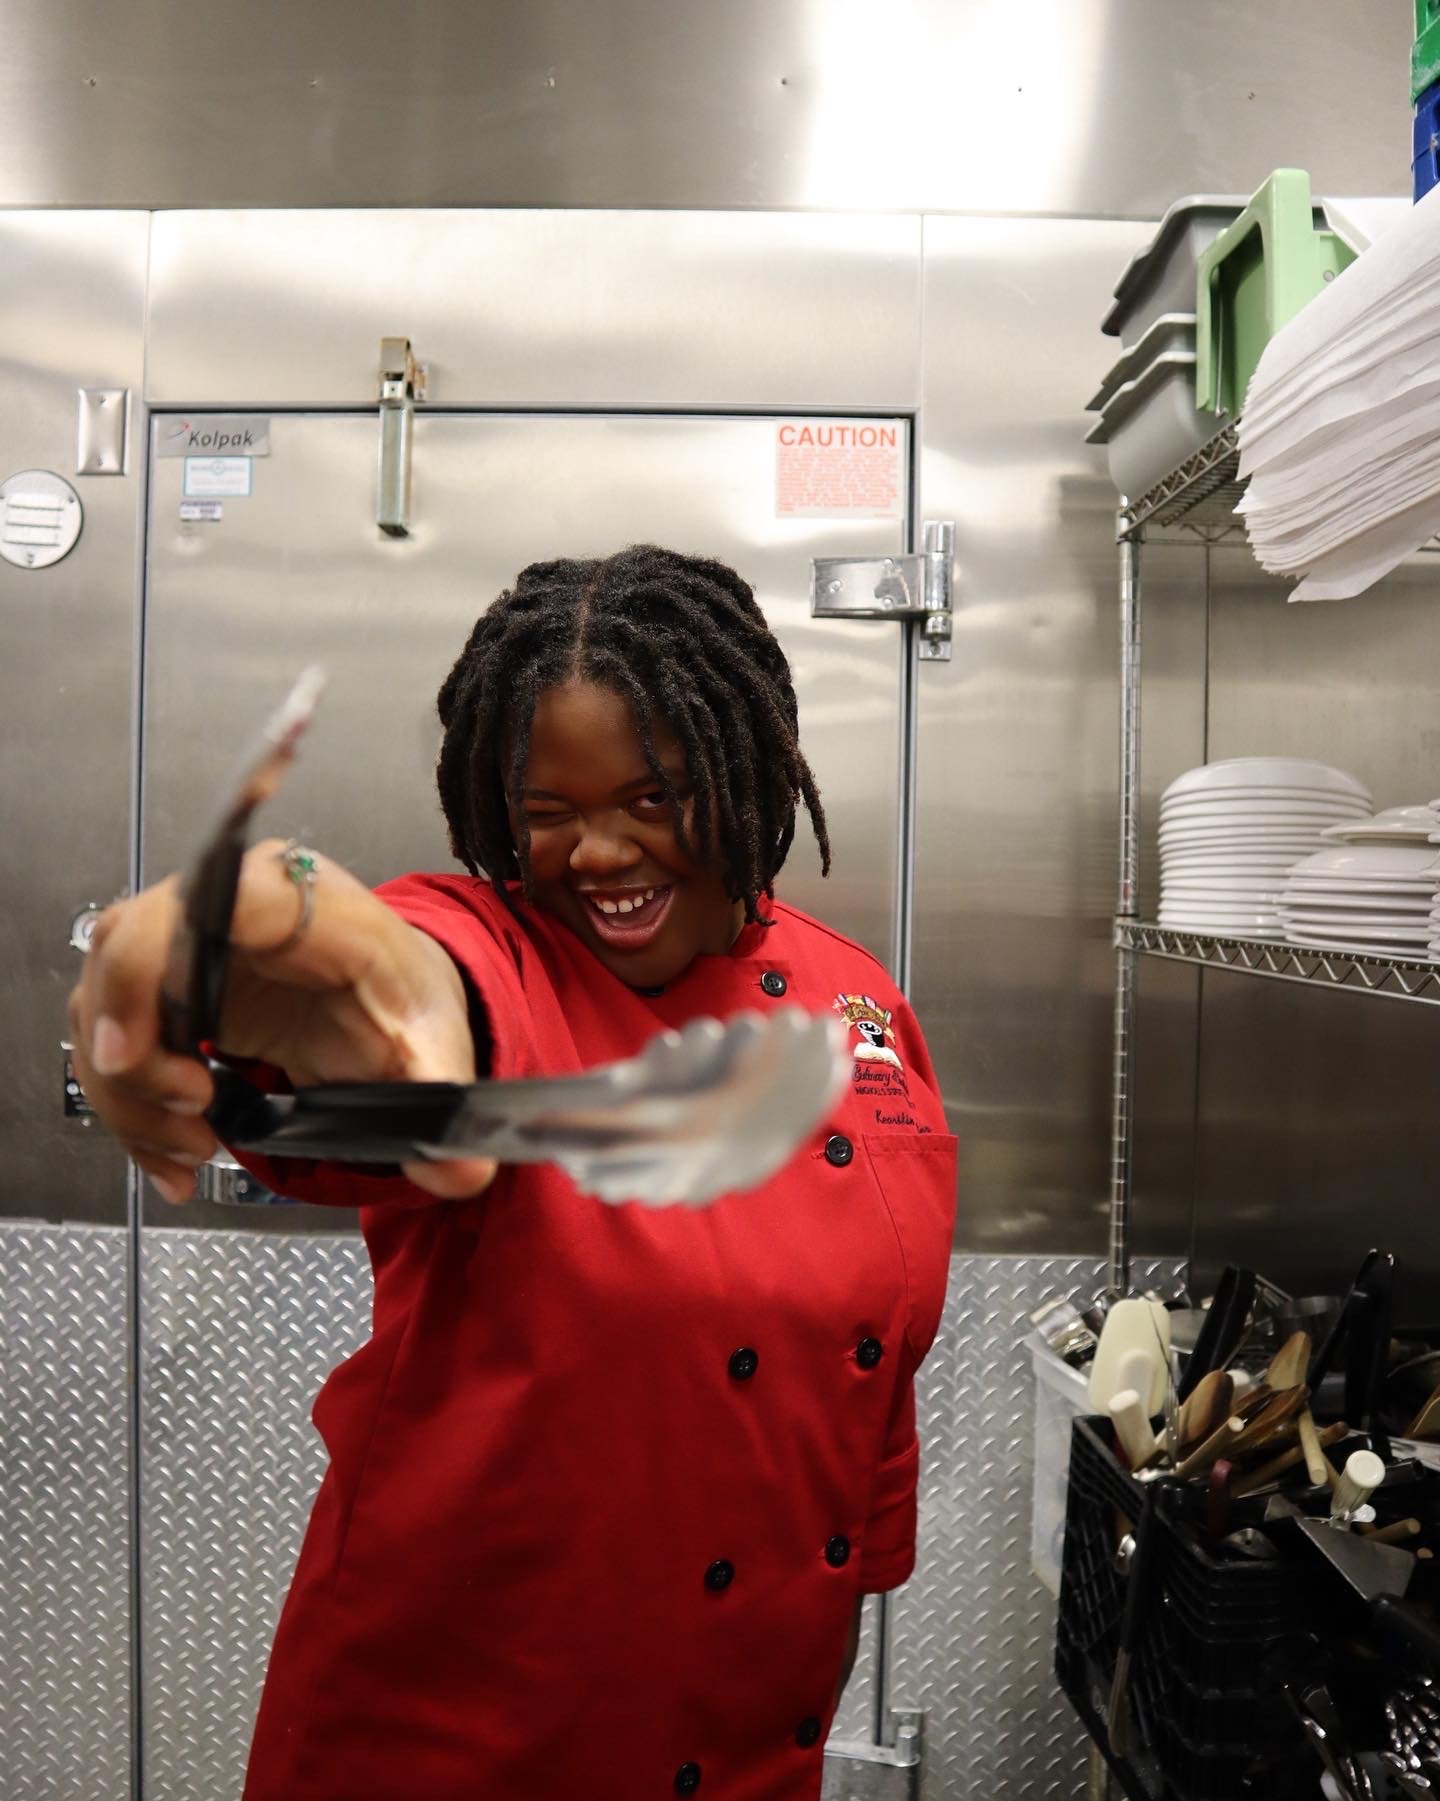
212 435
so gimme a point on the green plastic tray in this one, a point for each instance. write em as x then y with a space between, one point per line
1425 57
1252 280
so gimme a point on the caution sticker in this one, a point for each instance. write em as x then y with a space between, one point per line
826 468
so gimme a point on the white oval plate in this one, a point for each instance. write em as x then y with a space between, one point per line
1263 811
1360 887
1214 928
1404 819
1403 825
1236 859
1372 859
1268 797
1295 772
1419 953
1265 847
1217 797
1250 822
1339 925
1223 906
1188 869
1216 885
1348 835
1358 901
1267 842
1275 853
1359 884
1219 915
1283 826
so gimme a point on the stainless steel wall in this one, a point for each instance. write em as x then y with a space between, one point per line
1285 1128
538 309
1016 813
1103 107
1316 1112
1174 580
72 315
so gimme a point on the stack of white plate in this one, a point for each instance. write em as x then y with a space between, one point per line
1230 832
1375 898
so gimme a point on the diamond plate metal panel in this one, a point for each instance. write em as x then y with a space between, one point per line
855 1716
64 1515
238 1332
972 1631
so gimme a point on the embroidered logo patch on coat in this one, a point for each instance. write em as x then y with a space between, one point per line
872 1023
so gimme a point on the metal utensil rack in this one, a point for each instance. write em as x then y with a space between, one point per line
1200 495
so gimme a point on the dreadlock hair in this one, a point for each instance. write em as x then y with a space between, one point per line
682 639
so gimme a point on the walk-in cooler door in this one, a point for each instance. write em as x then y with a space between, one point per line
258 571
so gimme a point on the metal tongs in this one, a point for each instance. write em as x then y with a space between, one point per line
698 1113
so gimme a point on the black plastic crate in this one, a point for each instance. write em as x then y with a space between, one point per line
1209 1721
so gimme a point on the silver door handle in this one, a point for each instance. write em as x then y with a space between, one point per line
402 383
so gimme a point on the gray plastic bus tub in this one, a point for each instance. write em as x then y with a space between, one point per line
1170 332
1160 278
1152 424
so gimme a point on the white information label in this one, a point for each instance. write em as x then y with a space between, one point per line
202 509
830 468
208 476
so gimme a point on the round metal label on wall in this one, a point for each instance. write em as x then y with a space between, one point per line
40 518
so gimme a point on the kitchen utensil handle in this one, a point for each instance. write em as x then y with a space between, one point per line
1137 1600
1362 1475
1210 1347
1132 1428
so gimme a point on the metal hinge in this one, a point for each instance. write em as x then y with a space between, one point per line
918 586
856 1770
402 383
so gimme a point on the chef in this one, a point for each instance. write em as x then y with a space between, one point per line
607 1485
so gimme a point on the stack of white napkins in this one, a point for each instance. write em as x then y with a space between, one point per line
1340 432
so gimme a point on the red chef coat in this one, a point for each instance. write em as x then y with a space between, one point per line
606 1482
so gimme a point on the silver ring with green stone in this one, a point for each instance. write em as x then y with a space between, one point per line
302 867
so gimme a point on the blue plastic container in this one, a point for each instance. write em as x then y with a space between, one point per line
1426 164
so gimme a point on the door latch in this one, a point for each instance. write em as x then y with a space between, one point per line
918 586
402 383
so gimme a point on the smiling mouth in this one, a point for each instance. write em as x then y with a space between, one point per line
627 919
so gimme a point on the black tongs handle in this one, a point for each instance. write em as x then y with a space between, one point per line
1362 1332
194 985
1222 1329
200 950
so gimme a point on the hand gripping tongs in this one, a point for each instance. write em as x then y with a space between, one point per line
696 1114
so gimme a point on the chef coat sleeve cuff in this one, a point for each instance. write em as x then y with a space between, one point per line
494 995
491 995
887 1552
